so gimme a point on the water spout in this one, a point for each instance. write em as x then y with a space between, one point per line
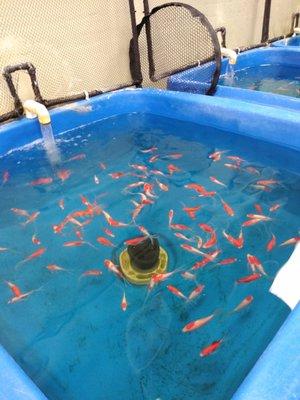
296 30
231 54
33 109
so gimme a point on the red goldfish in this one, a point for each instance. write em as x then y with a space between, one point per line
5 177
293 240
162 186
206 351
54 268
211 241
244 303
172 168
124 303
274 207
199 189
206 228
35 240
64 174
227 261
179 227
104 241
196 292
216 156
237 242
150 150
92 272
80 156
135 241
19 211
272 243
191 211
153 159
36 254
255 264
176 292
108 232
207 258
111 221
227 208
18 294
41 181
198 323
113 268
215 180
249 278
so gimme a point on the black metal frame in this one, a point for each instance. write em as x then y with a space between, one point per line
18 111
266 21
295 21
195 13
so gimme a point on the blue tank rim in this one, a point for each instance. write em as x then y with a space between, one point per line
189 81
281 43
260 381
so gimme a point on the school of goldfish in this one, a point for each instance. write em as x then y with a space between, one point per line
149 184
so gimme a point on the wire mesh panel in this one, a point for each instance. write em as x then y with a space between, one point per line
75 47
174 37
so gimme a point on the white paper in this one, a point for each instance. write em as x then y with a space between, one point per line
286 284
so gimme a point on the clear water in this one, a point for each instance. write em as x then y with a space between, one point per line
293 41
50 146
276 78
71 336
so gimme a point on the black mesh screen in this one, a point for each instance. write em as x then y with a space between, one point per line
175 37
75 50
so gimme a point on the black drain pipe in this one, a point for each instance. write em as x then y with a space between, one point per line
266 21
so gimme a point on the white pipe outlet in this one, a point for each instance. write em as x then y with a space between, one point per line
33 109
297 30
231 54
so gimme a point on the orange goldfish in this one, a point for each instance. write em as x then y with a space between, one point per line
113 268
41 181
227 208
293 240
19 211
244 303
198 323
54 267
